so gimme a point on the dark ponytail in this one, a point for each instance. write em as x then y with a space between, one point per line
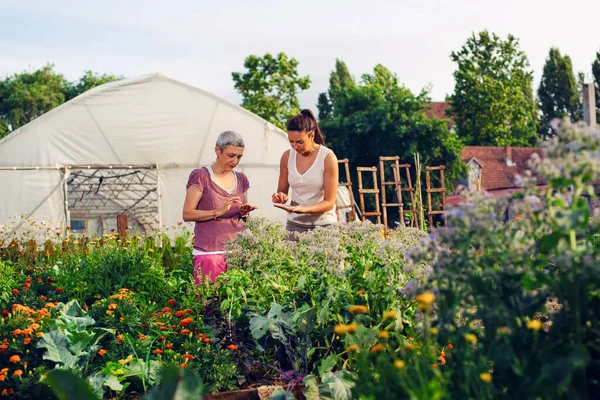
306 122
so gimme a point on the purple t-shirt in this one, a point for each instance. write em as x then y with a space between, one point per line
211 235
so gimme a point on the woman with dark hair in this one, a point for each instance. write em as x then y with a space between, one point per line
217 200
310 170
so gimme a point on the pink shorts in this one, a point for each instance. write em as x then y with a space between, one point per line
210 266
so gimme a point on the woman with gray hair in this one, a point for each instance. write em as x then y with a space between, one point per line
217 200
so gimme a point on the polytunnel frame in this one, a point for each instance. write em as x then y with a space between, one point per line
64 183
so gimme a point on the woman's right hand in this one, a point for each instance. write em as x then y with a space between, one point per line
279 198
230 202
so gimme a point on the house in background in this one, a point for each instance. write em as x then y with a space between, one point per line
495 170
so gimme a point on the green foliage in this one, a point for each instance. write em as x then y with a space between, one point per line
558 93
71 344
7 282
289 295
270 87
596 75
175 384
380 117
26 96
493 103
527 289
88 81
111 268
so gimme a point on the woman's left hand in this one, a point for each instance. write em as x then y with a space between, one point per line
245 209
292 209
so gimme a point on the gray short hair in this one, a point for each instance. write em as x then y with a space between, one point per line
229 138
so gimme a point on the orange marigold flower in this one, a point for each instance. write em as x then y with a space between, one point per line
163 328
120 338
184 365
232 347
360 292
3 370
180 314
2 377
17 332
27 331
352 347
384 334
206 340
342 329
109 312
14 359
450 346
399 364
50 305
434 366
357 309
185 332
187 357
59 290
27 340
157 351
18 372
34 326
169 346
166 310
101 352
377 347
39 334
172 302
15 291
186 321
189 311
112 306
142 337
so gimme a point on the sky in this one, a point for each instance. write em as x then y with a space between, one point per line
201 42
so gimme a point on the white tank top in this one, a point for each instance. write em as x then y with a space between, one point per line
307 190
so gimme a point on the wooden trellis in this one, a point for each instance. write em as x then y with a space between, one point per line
374 191
411 193
394 164
351 216
430 211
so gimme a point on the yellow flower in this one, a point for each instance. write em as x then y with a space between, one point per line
384 334
486 377
434 331
358 309
377 347
150 250
469 337
425 300
342 329
534 324
352 347
392 314
399 364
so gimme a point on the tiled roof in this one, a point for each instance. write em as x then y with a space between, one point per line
499 171
437 109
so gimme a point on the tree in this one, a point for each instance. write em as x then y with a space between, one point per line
493 101
596 74
380 117
28 95
339 81
270 86
558 93
88 81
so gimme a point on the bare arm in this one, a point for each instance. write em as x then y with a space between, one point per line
192 198
330 186
283 186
